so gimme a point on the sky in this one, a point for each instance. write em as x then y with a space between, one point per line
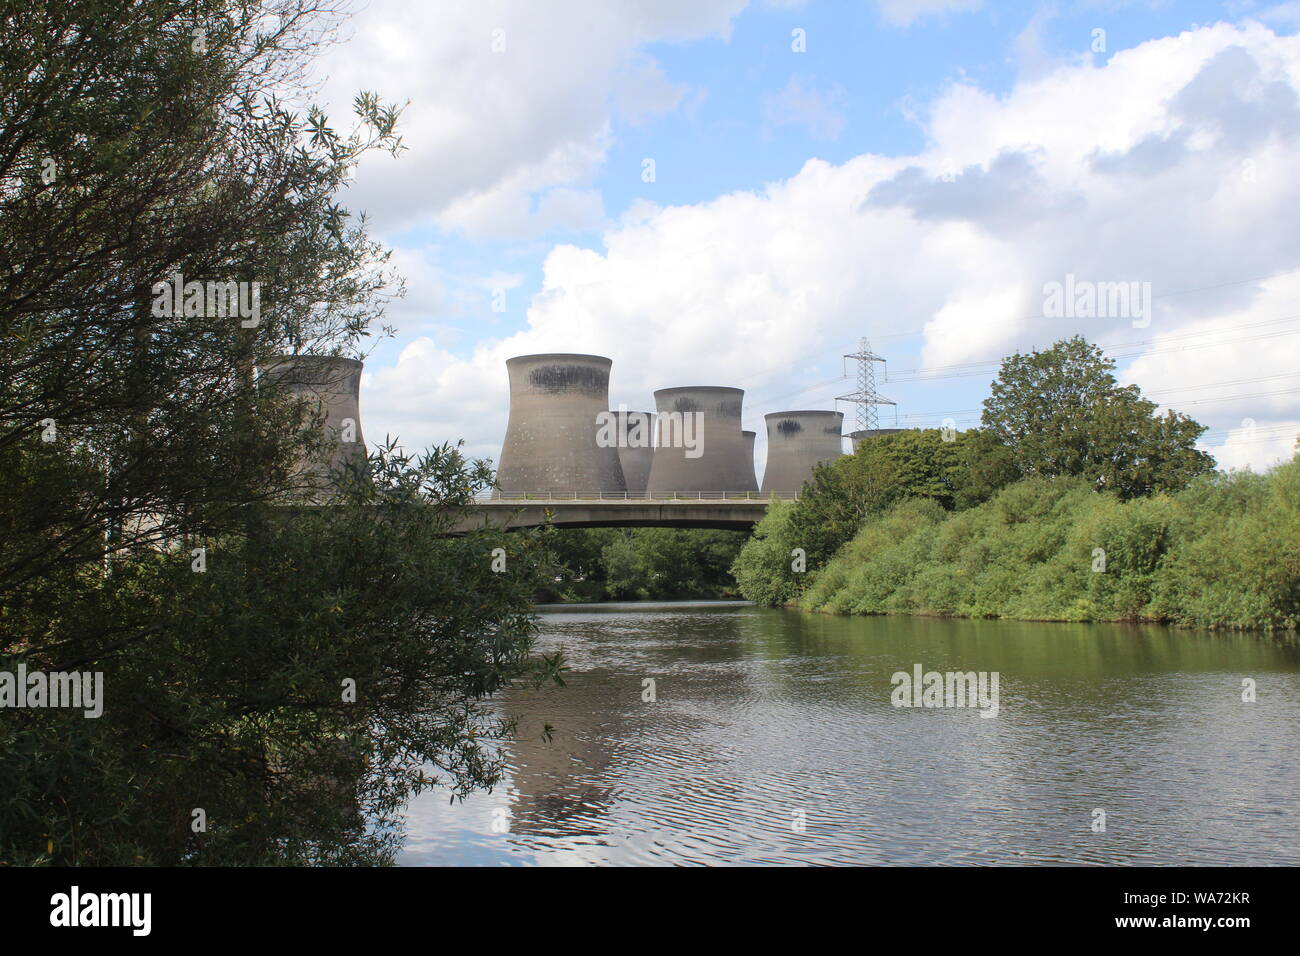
737 192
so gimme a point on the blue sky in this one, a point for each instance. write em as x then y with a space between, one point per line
915 175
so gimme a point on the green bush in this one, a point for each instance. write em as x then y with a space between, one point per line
636 564
1224 552
763 567
1236 568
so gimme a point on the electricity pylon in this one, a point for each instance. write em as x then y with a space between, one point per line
866 397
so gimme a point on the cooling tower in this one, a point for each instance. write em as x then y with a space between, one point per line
636 428
558 402
749 457
796 443
698 443
331 386
858 436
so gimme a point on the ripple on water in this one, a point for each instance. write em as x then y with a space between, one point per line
772 740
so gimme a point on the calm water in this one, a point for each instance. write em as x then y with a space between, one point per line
768 719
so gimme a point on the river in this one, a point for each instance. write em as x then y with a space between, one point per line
772 738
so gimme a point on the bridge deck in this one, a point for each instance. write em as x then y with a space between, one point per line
732 511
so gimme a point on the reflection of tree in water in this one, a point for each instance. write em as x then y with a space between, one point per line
561 786
567 786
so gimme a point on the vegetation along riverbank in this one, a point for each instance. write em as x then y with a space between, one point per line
1073 501
640 564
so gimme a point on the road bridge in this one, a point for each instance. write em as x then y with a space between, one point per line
736 511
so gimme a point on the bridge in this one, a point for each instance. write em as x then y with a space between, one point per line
731 510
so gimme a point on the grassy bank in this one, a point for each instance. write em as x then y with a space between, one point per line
1222 553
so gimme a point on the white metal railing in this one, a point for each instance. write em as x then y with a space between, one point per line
541 497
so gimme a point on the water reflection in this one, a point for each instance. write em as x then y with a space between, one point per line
768 719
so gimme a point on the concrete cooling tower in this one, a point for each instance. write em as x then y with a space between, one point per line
698 444
749 457
636 458
330 385
796 443
556 406
858 436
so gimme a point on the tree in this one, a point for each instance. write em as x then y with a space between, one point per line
957 470
627 573
1061 412
138 141
329 663
641 563
688 562
765 567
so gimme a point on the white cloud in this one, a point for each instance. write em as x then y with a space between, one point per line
903 13
641 90
1132 170
1285 13
820 112
487 131
1032 57
1257 445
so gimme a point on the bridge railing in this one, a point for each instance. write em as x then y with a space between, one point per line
541 497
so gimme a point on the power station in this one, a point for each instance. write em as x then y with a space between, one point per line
563 439
797 442
699 447
332 388
557 401
752 483
858 436
635 431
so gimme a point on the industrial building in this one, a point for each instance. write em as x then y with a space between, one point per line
858 436
556 404
636 449
332 388
752 483
797 442
699 447
563 439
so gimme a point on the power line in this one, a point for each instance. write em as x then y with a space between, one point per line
866 397
974 369
1155 298
984 368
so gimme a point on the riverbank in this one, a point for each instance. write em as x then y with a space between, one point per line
1222 554
559 606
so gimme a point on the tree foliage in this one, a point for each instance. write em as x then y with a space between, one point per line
138 141
227 690
956 470
1222 553
764 568
1062 413
641 563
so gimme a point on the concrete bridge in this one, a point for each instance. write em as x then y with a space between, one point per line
732 511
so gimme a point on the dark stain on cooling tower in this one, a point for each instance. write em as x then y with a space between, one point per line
685 404
789 428
569 378
730 408
832 430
